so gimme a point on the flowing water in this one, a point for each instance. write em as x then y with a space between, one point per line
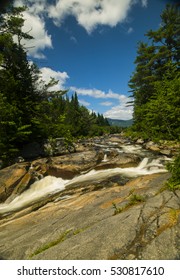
50 185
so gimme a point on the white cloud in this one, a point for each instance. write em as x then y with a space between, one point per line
120 111
144 3
130 30
83 102
106 103
35 25
96 93
91 13
35 7
48 73
88 13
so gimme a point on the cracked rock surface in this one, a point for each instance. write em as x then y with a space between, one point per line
137 220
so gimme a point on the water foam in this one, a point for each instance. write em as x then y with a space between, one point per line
50 184
36 192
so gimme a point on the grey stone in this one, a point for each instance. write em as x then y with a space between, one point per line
83 225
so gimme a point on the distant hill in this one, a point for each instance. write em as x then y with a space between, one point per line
120 123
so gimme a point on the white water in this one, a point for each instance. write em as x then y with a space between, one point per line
50 184
133 149
37 191
105 158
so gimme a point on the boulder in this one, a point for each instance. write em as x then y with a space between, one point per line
32 150
63 171
122 160
154 147
16 178
140 141
58 146
10 177
149 144
166 152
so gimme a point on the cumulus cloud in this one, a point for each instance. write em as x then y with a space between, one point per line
120 111
48 73
91 13
96 93
42 40
34 6
83 102
88 13
35 25
106 103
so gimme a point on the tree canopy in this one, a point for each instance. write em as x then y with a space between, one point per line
29 109
155 81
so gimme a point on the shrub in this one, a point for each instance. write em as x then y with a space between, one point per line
174 168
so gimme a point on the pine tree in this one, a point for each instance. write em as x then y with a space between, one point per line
147 82
19 85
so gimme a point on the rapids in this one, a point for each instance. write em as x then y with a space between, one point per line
50 185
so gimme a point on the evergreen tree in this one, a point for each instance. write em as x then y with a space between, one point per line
20 86
163 109
29 109
151 78
17 78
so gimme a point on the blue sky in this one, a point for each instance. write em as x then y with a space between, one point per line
90 46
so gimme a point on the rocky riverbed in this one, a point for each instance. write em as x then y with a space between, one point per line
106 201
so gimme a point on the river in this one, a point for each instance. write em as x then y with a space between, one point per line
50 185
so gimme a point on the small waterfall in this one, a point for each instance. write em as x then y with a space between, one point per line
135 149
143 163
105 158
38 190
95 175
50 185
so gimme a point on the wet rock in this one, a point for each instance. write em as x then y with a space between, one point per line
100 156
10 177
65 171
58 146
19 159
140 141
152 146
98 218
24 184
16 178
119 160
166 152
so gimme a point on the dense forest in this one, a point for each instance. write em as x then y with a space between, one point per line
29 109
156 80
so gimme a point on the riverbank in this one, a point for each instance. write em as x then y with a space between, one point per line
107 201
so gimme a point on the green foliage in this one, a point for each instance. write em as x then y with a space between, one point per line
155 82
53 243
174 168
117 210
18 88
12 129
163 109
133 199
29 109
